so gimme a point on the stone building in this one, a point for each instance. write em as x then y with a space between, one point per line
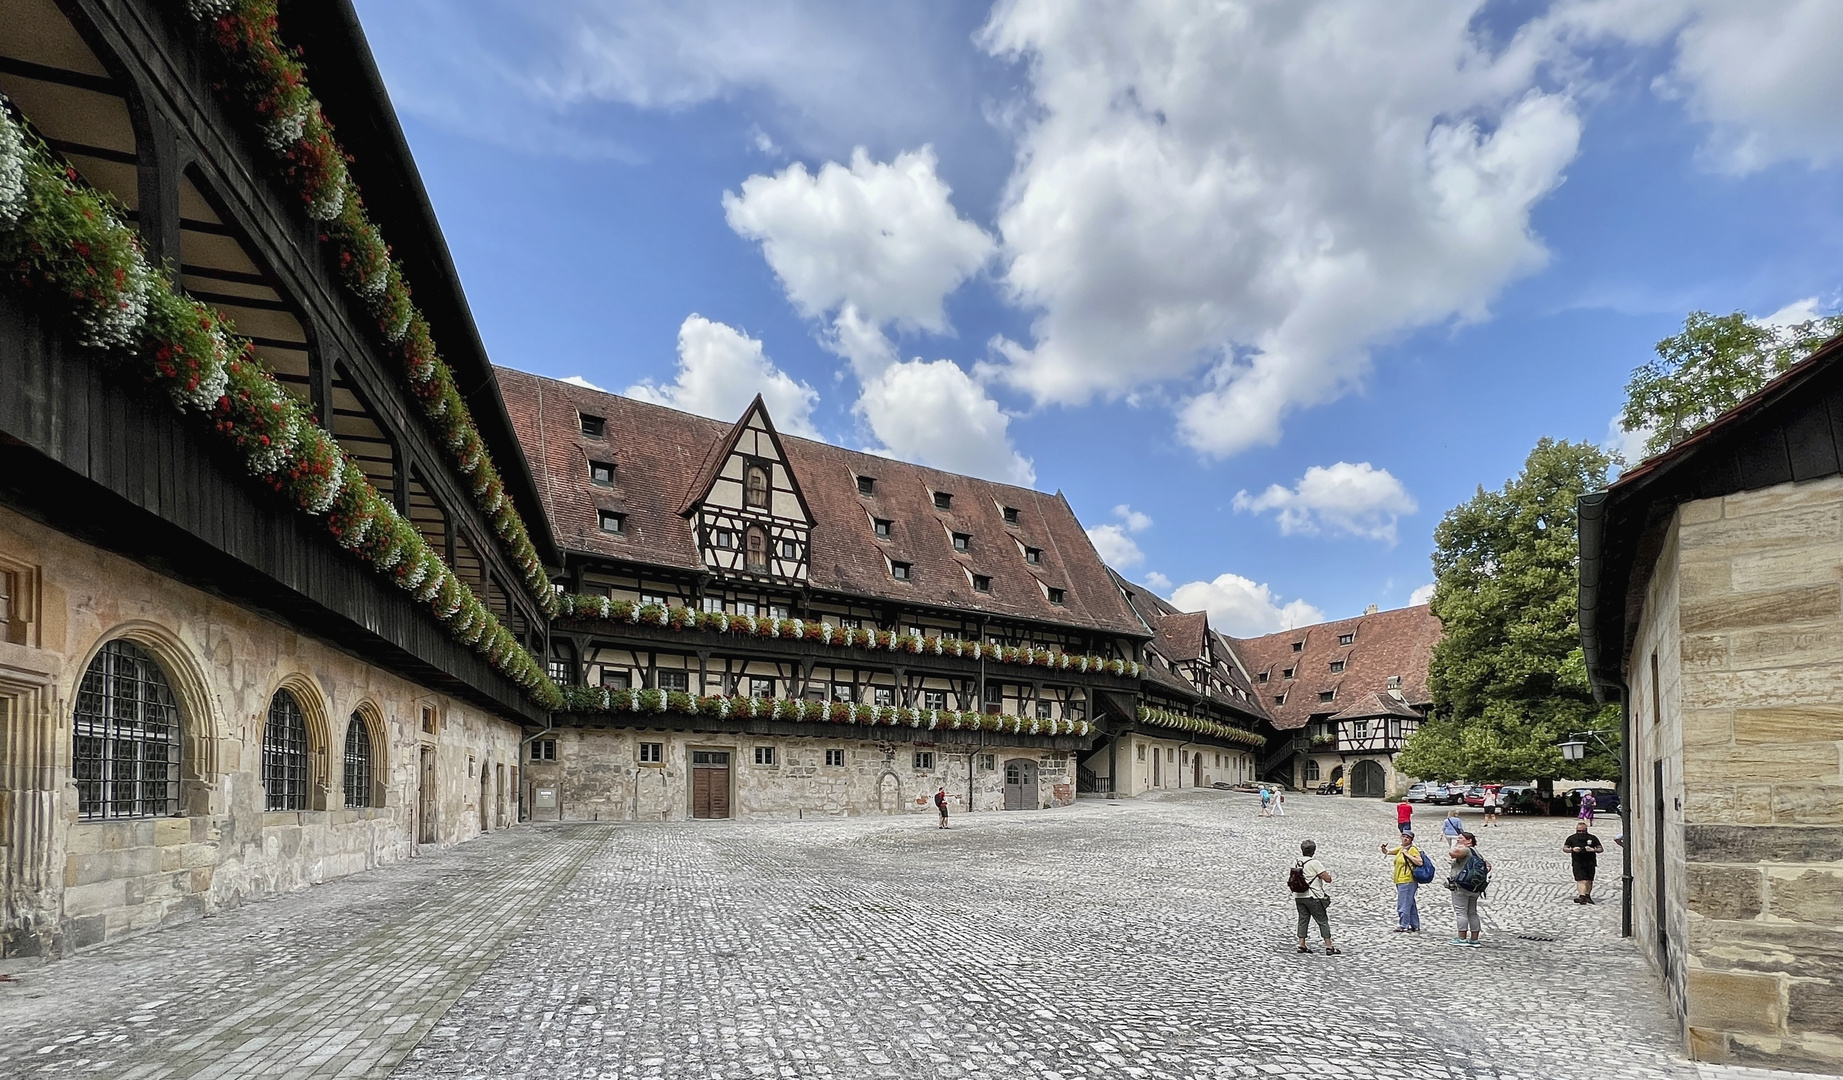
1711 608
759 625
260 626
1344 697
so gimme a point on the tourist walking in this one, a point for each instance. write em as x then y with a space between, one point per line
1452 826
1310 882
1409 873
1404 816
1471 874
940 803
1583 850
1588 802
1490 805
1279 804
1266 801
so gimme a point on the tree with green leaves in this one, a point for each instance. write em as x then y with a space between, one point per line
1715 363
1508 678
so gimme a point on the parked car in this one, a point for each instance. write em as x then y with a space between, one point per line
1419 792
1475 795
1605 800
1330 787
1445 794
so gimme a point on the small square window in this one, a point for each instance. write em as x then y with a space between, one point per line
883 528
654 599
867 485
1261 678
962 541
1337 667
982 583
593 426
836 758
711 604
675 680
778 611
612 522
1279 699
1345 639
943 501
1033 556
1327 695
843 692
1011 515
882 695
1298 646
614 679
924 760
601 472
652 753
1287 674
790 549
761 688
988 762
1044 709
559 672
934 699
1057 596
544 750
899 571
764 755
1141 749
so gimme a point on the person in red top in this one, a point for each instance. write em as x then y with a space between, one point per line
1404 815
940 803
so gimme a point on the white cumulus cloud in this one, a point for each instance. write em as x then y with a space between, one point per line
1354 500
578 380
934 413
1422 595
1240 608
1114 543
721 369
1157 582
1245 196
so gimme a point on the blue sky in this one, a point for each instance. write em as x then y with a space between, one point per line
1288 280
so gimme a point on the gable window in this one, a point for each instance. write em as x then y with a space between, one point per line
755 487
924 760
883 528
652 753
1395 682
756 556
602 473
1327 695
126 750
764 755
1033 556
1011 515
1337 667
962 541
594 427
943 501
544 750
1057 596
790 549
899 571
612 522
722 538
982 583
675 680
867 485
1345 639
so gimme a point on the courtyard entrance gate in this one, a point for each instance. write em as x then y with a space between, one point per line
1367 780
710 784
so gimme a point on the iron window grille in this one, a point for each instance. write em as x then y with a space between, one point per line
125 756
835 758
924 760
284 754
358 762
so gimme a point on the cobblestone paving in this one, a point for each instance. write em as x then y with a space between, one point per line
339 981
1137 939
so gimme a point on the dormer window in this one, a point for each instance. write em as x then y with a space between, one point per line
1298 646
899 571
755 487
1345 639
883 526
867 485
1287 674
1337 667
790 549
1261 678
1057 596
1033 556
602 473
962 541
1279 699
943 501
1395 682
595 427
982 583
612 522
1327 695
1011 515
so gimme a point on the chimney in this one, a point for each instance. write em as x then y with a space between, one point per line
1370 610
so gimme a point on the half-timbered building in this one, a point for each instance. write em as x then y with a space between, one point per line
765 625
270 556
1345 697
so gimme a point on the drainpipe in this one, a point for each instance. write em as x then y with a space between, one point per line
1625 808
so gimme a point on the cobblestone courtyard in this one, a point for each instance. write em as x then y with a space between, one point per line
1144 939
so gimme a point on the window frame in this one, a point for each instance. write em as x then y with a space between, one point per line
155 690
924 761
902 571
601 473
591 426
766 757
287 775
359 764
650 753
543 750
603 518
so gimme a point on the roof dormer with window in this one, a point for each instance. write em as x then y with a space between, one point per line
752 520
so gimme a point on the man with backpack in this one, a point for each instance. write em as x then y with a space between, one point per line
1310 883
1412 870
1470 877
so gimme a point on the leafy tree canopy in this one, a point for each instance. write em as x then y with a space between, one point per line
1716 361
1508 678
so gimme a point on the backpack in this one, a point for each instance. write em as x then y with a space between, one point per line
1424 872
1472 875
1295 880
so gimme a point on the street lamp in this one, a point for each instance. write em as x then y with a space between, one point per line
1574 747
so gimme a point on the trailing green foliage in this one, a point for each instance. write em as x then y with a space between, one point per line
637 703
1197 725
1508 678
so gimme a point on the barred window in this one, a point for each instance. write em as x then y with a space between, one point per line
358 762
284 754
126 750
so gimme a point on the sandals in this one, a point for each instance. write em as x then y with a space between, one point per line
1304 948
1333 950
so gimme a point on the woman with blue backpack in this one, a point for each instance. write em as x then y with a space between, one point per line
1412 870
1470 876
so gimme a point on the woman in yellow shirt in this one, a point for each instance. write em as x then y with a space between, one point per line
1407 890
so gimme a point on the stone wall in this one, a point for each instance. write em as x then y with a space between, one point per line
599 774
1745 713
1395 782
69 883
1176 768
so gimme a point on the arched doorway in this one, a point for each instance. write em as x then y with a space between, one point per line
486 821
1367 780
1196 769
1021 785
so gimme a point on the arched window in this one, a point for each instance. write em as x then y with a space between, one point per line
1311 770
284 754
755 482
358 762
757 551
125 755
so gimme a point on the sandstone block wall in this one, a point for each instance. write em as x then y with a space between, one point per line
67 883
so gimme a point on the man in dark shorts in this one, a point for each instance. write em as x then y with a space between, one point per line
940 803
1584 849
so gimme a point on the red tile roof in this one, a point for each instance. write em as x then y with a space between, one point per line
658 454
1384 644
1179 636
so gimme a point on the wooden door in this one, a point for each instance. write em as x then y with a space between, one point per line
425 798
710 784
1196 763
1158 755
1367 780
1021 785
485 821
